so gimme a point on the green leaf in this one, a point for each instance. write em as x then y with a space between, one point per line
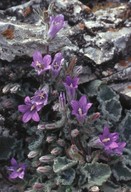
62 164
121 172
94 174
66 177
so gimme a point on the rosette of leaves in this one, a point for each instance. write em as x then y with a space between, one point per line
122 169
125 127
109 103
93 174
121 172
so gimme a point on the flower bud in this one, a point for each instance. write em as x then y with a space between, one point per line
77 70
56 24
50 126
6 88
94 189
46 158
55 107
95 116
44 169
56 151
75 133
15 88
95 143
50 139
8 103
41 126
38 186
61 142
32 154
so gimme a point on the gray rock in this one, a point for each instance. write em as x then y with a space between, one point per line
100 46
109 38
124 89
74 10
111 17
26 39
105 44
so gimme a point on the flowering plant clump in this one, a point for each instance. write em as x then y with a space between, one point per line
62 151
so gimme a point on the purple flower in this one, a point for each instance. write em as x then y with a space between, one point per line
71 84
56 64
16 169
110 142
80 108
29 110
56 24
41 96
41 64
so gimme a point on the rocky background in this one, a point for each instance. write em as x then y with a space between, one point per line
97 32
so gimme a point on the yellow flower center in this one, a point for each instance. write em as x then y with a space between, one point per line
80 111
42 96
57 23
19 169
106 140
71 85
56 66
39 65
32 108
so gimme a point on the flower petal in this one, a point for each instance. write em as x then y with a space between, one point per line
13 162
23 108
21 175
13 175
26 117
83 101
35 117
37 56
56 23
114 136
74 105
27 100
68 80
88 106
47 60
106 132
75 82
113 145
